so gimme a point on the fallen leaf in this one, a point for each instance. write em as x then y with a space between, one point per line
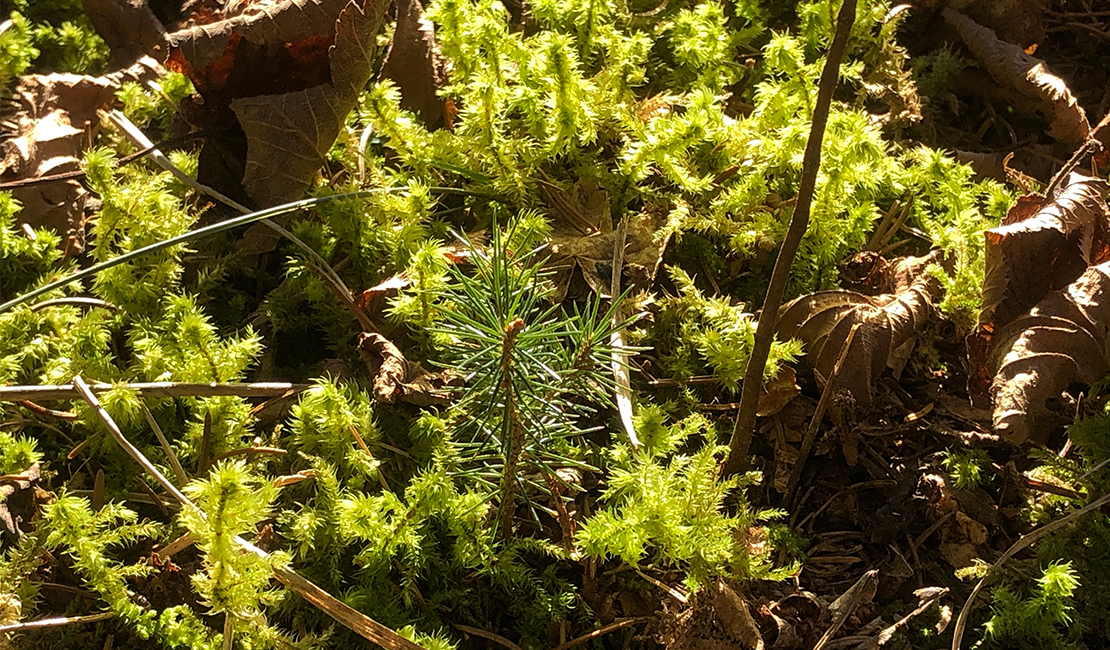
128 27
289 135
396 378
290 73
374 299
887 322
583 240
17 500
1036 357
275 47
735 618
1011 67
1042 246
415 64
54 122
777 393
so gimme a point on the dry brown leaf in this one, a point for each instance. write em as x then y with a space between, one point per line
17 500
735 618
129 28
585 241
1041 246
777 393
718 619
288 135
415 64
396 378
55 119
1061 341
887 322
222 55
290 72
1011 67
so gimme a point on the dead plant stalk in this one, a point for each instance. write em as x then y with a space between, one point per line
799 223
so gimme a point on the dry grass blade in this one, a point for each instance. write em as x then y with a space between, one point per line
152 389
55 622
354 620
616 339
612 627
175 462
496 638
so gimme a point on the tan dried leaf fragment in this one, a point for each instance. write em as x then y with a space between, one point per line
1063 340
289 117
397 378
887 322
1011 67
289 135
583 240
54 121
1042 246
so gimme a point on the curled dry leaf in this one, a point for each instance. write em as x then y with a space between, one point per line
1041 246
718 618
415 64
55 118
396 378
1011 67
290 73
17 500
887 322
129 27
1059 342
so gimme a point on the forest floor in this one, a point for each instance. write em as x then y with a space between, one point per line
917 447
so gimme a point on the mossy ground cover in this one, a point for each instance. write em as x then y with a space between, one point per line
510 499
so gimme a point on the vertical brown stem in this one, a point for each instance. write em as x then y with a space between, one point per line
516 430
799 222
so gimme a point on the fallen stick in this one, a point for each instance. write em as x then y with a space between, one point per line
799 222
152 389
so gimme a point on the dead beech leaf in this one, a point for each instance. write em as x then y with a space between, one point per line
222 57
54 120
585 241
1011 67
415 64
290 73
396 378
288 135
1059 342
887 323
129 28
1042 246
